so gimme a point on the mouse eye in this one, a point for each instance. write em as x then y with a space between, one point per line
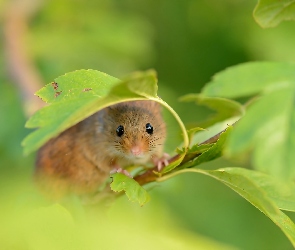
120 130
149 128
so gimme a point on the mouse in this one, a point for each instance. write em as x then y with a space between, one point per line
80 159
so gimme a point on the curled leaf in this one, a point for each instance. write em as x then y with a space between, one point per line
133 190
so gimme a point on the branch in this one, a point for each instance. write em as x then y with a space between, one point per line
150 176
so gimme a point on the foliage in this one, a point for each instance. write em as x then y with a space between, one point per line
77 95
119 37
253 78
134 191
269 13
54 227
224 108
268 131
262 191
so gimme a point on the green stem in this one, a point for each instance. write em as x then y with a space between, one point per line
183 129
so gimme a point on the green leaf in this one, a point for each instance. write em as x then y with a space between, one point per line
282 193
191 132
59 233
72 105
269 13
261 190
269 124
271 135
140 83
224 108
133 190
35 225
175 163
250 78
199 148
209 151
76 85
82 93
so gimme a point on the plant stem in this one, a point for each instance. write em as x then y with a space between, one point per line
151 176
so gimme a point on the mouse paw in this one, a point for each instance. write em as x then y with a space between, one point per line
161 162
122 171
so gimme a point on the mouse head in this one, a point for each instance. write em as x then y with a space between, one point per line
135 130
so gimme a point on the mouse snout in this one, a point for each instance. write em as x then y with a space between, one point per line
136 150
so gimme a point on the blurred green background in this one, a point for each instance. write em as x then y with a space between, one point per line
186 42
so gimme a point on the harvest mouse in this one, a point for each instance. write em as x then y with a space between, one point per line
80 159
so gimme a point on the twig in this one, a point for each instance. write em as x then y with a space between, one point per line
150 176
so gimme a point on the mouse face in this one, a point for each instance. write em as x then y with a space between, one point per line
135 131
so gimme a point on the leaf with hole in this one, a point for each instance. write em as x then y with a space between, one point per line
82 93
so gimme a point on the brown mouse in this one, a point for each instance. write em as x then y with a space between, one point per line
80 159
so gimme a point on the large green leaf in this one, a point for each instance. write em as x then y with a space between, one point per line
269 124
269 128
269 13
76 95
250 78
262 191
224 108
54 227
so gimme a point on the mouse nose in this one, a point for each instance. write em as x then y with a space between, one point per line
136 150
